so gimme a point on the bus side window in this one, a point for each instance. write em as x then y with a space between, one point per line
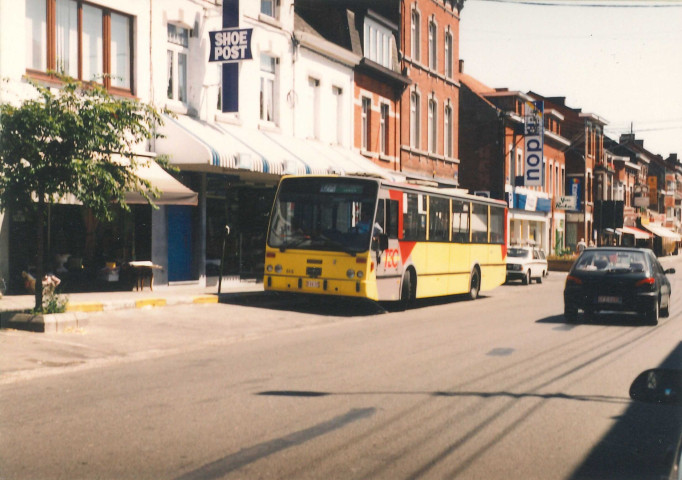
496 225
414 222
460 222
439 223
479 223
392 218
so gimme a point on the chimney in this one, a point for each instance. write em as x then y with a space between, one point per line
627 137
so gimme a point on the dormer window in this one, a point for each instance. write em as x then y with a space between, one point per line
378 43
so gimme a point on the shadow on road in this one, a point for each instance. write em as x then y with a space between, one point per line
330 305
642 443
601 319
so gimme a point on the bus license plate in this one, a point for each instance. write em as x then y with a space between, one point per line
608 299
312 283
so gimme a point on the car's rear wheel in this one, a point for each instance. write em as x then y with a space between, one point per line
526 278
539 279
570 314
653 313
665 312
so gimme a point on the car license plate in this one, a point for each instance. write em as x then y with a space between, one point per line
608 299
312 283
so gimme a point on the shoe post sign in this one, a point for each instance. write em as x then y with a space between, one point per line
230 46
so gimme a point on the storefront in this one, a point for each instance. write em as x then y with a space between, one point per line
529 219
90 254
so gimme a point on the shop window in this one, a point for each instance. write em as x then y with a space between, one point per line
176 63
100 50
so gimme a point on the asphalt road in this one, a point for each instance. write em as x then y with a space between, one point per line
266 387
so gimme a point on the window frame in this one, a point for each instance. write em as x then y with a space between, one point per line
385 113
366 121
432 125
448 147
178 92
50 48
448 42
415 35
433 45
415 101
269 78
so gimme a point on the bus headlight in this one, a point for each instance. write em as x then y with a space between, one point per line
269 268
360 274
350 273
278 268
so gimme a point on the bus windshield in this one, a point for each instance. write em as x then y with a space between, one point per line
332 214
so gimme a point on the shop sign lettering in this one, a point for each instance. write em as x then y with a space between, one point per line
230 45
533 140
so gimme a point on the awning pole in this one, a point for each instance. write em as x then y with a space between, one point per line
222 257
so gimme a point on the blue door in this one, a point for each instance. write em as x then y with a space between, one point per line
179 243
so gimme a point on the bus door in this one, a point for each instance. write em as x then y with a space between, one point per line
388 263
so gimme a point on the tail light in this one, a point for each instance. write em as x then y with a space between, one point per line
573 280
649 281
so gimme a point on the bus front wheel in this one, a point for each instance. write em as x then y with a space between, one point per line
407 290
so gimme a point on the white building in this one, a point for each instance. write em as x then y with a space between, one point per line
294 116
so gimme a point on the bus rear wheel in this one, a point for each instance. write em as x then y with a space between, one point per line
475 284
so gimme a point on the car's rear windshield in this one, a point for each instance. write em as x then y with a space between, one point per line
517 252
612 261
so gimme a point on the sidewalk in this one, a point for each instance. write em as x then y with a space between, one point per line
161 296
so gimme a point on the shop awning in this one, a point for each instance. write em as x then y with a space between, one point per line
171 191
639 234
663 232
189 141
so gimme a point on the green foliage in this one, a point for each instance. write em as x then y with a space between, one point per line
52 303
74 140
77 140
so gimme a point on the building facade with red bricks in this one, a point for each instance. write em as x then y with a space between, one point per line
429 46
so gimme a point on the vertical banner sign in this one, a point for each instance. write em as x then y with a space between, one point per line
576 192
533 133
230 46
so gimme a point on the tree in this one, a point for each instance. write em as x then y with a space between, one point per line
76 140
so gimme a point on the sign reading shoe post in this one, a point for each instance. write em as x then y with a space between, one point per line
533 133
230 45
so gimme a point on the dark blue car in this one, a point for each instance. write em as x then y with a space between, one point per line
617 279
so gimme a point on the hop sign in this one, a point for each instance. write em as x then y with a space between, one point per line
230 45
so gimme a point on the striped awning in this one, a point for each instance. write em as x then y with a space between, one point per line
662 232
189 141
638 234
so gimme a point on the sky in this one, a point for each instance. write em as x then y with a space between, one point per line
621 63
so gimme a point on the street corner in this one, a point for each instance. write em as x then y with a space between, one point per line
44 323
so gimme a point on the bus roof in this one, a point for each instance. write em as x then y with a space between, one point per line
449 191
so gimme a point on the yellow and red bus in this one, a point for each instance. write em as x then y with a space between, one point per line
369 237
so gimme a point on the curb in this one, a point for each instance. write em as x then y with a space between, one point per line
50 323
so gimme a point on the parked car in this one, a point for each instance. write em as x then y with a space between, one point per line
618 279
526 264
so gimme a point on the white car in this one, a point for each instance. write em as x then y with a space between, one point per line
526 264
